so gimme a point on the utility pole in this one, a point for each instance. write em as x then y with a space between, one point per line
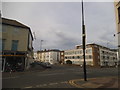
83 43
41 45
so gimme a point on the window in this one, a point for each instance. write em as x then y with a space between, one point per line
113 58
73 57
86 57
81 51
88 51
2 44
90 57
119 14
81 57
78 57
14 45
4 28
16 30
103 57
103 52
65 57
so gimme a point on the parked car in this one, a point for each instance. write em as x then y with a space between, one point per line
33 64
46 64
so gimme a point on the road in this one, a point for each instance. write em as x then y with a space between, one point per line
56 77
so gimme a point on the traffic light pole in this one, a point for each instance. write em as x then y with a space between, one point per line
83 42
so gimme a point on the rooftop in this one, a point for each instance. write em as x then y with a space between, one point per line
13 23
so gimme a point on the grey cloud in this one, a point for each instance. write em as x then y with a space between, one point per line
59 24
66 40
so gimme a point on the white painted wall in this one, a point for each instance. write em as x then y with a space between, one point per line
76 53
52 57
110 60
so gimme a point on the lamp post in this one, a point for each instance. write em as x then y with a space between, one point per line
83 42
107 44
41 45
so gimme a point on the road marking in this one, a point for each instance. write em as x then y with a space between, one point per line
44 85
64 82
49 84
29 87
72 82
52 83
10 77
50 74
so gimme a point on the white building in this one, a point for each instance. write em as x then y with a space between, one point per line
108 57
51 56
96 55
76 56
35 56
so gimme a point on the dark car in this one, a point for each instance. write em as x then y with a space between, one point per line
46 64
33 64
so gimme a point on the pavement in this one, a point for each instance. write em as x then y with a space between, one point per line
99 82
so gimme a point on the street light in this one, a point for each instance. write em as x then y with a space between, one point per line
41 45
83 42
107 44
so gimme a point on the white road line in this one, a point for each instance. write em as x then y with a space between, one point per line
52 83
50 74
29 87
64 82
44 85
10 77
49 84
41 85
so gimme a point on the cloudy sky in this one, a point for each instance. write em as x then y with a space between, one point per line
59 23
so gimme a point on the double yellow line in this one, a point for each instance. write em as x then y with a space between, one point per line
72 82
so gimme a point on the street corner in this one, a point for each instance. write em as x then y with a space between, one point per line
75 83
80 83
101 82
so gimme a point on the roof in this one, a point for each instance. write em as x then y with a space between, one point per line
15 23
94 44
51 50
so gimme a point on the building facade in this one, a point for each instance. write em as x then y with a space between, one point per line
16 41
117 13
51 56
96 55
35 56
